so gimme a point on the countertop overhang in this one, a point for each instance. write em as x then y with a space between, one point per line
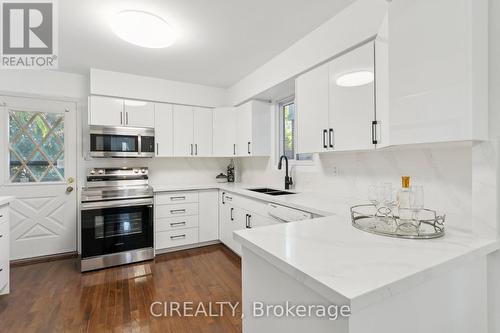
343 264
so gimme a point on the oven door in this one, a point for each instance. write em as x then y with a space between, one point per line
116 226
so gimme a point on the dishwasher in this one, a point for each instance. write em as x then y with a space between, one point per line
285 214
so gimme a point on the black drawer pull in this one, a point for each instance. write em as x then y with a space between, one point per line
177 211
178 237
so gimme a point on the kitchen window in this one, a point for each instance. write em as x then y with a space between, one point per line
287 129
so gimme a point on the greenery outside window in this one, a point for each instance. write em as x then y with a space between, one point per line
287 139
36 147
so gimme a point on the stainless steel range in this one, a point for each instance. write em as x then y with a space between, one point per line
117 218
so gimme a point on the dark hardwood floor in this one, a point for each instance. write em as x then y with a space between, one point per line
56 297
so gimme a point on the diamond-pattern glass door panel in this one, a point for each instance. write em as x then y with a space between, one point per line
36 144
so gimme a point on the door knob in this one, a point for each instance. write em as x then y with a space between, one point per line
71 180
69 189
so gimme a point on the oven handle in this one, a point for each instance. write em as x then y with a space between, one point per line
116 203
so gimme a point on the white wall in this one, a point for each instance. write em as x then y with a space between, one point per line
171 171
148 88
44 83
494 203
353 25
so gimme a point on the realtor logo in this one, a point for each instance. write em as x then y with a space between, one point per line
29 39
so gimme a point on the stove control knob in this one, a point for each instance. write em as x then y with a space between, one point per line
136 170
143 170
92 172
101 172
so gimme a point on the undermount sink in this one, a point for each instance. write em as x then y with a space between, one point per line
270 191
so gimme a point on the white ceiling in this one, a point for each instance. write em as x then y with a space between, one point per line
219 43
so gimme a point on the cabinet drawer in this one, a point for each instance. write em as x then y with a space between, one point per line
4 214
4 273
254 205
4 241
166 239
172 198
4 255
177 210
174 223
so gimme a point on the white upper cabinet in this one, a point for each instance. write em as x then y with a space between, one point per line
109 111
438 70
224 131
352 100
183 130
202 124
192 131
253 126
106 111
312 99
164 126
139 113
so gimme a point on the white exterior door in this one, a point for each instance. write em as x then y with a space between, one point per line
38 142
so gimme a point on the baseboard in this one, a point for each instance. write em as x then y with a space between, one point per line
37 260
186 247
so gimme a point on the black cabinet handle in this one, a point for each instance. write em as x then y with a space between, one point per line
325 132
231 216
374 132
248 223
191 149
330 137
223 194
196 149
157 148
234 148
249 148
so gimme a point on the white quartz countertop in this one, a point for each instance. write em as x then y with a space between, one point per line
339 262
312 202
5 200
344 264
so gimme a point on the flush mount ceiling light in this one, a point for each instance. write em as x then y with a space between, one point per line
143 29
355 79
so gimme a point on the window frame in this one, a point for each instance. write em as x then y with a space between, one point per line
279 128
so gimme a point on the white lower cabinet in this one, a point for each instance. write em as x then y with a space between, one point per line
167 239
185 218
4 250
233 217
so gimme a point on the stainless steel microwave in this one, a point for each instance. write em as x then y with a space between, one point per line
121 142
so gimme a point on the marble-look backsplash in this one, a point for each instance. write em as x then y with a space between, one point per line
170 171
445 171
